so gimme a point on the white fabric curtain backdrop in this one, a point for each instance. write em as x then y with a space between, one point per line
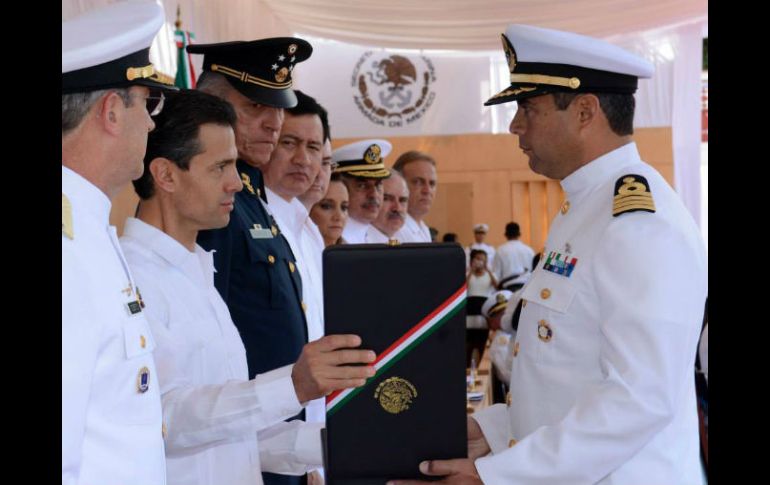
475 24
672 98
686 117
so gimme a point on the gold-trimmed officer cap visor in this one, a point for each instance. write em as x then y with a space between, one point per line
133 69
529 79
261 69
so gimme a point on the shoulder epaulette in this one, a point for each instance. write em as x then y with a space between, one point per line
66 217
632 193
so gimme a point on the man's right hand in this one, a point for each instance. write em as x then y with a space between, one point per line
477 444
321 368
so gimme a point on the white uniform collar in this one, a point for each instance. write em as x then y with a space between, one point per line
417 231
597 171
355 231
292 214
85 196
411 223
377 236
198 266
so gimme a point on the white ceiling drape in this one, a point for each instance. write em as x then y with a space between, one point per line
415 24
472 24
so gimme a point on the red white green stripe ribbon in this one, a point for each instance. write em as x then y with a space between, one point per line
402 346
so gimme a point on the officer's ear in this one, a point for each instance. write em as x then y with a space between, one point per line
108 112
163 174
587 109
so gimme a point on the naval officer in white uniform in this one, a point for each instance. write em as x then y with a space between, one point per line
111 411
602 385
362 167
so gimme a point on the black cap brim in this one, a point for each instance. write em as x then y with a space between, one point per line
278 98
250 66
113 75
515 92
156 85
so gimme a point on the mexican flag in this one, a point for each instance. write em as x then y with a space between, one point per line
185 76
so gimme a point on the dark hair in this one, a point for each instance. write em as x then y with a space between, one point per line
449 237
409 157
618 108
475 252
75 106
177 127
512 230
307 105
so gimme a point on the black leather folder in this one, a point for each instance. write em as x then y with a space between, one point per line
407 303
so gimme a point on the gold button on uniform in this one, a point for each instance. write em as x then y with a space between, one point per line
523 303
304 306
274 230
516 349
508 398
164 431
545 293
565 207
544 331
271 258
142 341
511 443
291 266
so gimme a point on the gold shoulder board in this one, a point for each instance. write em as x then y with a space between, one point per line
66 217
632 193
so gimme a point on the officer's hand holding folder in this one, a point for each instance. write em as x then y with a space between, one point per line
407 303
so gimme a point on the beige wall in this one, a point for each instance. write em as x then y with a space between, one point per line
486 178
483 178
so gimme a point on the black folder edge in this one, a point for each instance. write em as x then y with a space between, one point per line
329 480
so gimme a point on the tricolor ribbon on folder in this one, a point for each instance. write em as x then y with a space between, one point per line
411 339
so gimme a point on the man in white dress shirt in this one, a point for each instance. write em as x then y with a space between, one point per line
212 412
295 164
318 189
111 411
513 260
363 170
602 388
419 171
393 213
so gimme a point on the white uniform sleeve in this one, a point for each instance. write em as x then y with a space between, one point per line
497 269
204 415
81 334
199 416
647 281
530 255
494 424
290 448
